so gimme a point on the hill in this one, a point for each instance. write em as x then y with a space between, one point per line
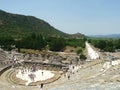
21 25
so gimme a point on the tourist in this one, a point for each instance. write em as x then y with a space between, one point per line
73 67
33 68
42 73
41 86
32 76
68 75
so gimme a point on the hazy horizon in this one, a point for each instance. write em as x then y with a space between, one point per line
89 17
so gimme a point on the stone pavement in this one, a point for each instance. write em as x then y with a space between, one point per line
91 78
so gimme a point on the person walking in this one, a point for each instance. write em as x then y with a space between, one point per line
41 86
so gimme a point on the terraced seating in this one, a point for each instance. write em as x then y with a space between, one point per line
2 56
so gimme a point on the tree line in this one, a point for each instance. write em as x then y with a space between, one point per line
7 42
38 42
108 45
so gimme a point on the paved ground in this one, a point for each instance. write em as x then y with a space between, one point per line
91 78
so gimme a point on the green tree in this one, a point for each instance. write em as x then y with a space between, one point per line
56 44
79 50
83 57
6 42
34 41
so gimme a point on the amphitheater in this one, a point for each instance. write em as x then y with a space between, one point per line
99 74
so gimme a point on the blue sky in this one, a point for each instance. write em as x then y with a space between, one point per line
90 17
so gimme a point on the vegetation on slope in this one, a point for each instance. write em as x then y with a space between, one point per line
109 45
28 32
38 42
21 25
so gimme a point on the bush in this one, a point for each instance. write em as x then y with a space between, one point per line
79 50
83 57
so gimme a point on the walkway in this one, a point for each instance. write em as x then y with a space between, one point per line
90 78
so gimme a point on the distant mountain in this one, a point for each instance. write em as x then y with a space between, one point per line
77 35
21 25
107 36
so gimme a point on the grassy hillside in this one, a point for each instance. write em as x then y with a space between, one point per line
21 25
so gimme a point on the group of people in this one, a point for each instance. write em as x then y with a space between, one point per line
32 76
71 70
28 69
